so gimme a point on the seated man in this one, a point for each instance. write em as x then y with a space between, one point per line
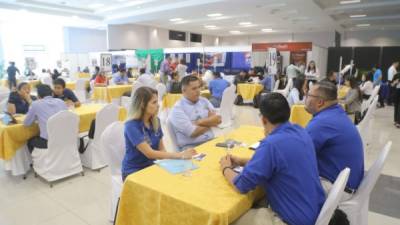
41 110
217 87
20 100
284 165
146 79
337 142
121 77
193 116
65 94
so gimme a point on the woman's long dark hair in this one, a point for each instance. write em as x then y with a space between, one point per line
354 85
298 84
308 67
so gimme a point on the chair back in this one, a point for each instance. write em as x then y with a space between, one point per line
334 196
276 86
106 116
113 145
226 108
161 90
172 136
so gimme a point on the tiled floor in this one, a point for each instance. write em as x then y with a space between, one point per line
86 200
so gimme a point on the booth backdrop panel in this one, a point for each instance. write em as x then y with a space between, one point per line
366 57
334 55
389 55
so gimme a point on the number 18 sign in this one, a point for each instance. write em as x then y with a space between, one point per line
105 62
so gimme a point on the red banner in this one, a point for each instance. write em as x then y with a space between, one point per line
283 46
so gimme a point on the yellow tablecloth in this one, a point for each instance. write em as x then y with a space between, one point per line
13 137
169 99
249 91
83 75
72 84
33 83
299 115
342 92
154 196
110 92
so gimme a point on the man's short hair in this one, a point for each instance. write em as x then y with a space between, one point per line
44 90
21 85
275 108
327 90
142 71
59 81
187 80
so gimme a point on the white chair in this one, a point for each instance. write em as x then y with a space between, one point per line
126 102
161 91
368 102
288 87
334 196
356 207
172 136
48 81
3 105
365 126
61 158
276 86
80 89
226 107
136 86
4 93
113 146
93 157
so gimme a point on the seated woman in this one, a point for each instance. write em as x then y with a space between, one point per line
20 100
366 87
296 95
353 98
174 86
100 80
143 134
65 94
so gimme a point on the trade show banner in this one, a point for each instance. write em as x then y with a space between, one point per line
283 46
272 61
156 58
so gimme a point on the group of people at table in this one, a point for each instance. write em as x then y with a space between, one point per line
296 167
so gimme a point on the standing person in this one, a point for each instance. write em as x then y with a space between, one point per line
41 110
181 69
396 85
336 140
292 71
12 72
217 87
165 70
391 72
366 87
284 166
143 134
378 81
55 74
312 72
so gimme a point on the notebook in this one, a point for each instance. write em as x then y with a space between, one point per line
176 166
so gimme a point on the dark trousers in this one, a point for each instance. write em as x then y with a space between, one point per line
396 101
392 93
12 82
381 99
36 142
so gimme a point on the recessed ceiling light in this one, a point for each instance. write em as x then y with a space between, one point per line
95 5
350 2
358 16
210 26
363 25
175 19
245 23
122 0
214 15
182 22
75 17
267 30
235 32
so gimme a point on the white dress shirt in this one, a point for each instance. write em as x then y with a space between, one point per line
391 72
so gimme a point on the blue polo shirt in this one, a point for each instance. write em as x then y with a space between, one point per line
377 74
67 95
135 133
284 165
338 145
217 87
21 106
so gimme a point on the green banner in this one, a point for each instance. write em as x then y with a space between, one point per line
156 57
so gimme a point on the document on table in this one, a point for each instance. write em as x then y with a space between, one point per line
176 166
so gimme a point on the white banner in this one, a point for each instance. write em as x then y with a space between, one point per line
105 62
272 61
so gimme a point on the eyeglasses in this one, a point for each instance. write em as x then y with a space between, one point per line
315 96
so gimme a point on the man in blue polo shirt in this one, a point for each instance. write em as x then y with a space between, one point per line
284 165
337 142
65 94
217 87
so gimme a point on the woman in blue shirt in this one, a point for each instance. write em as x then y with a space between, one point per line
143 134
20 100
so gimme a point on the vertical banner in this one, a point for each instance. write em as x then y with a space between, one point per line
105 62
272 61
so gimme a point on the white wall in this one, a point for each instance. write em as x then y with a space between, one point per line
81 40
323 39
371 38
132 36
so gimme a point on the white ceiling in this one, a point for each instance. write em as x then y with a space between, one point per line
282 16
